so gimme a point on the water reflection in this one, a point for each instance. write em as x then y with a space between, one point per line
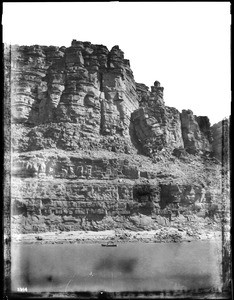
123 265
128 267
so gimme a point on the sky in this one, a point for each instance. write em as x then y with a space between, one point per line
184 45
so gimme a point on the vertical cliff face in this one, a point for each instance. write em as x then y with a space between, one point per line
89 144
87 91
196 132
220 143
149 121
156 126
82 85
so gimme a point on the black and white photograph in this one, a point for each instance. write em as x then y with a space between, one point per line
117 150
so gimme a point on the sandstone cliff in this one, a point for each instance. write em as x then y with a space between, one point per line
93 149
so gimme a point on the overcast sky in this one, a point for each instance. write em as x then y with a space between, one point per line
184 45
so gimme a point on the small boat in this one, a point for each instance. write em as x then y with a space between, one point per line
109 244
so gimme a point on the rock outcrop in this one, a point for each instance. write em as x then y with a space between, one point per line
89 144
196 132
85 85
156 126
220 143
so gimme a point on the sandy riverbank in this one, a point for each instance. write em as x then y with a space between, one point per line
163 234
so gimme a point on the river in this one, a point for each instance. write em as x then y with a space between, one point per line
128 267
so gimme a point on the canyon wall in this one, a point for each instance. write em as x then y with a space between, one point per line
221 137
93 149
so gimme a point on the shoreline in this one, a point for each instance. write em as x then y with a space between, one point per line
163 235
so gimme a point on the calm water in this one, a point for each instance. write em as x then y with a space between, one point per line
128 267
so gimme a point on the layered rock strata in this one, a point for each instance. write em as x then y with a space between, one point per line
220 143
89 144
156 126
